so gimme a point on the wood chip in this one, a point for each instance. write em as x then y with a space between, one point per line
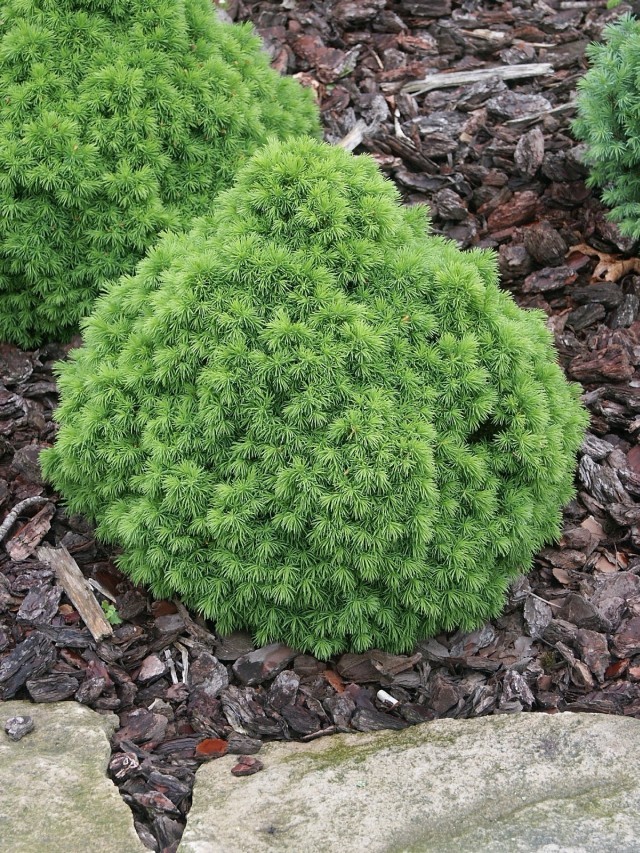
75 585
24 543
502 72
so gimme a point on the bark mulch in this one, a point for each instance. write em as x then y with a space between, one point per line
495 160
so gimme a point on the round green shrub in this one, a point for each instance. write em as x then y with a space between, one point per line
312 420
118 120
609 121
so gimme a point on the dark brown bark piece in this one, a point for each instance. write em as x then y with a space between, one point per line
514 105
26 540
358 668
375 721
234 646
30 659
239 744
15 365
283 689
549 278
626 313
90 690
167 629
519 209
610 364
53 687
450 205
425 8
348 13
154 801
40 605
627 641
26 462
529 153
67 638
415 713
141 726
207 673
262 664
545 244
340 708
585 316
594 651
537 616
608 294
515 687
123 764
514 261
580 612
300 720
444 695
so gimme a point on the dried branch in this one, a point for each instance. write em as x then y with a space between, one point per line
355 136
15 512
445 80
77 588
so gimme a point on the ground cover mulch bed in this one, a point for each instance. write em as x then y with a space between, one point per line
496 162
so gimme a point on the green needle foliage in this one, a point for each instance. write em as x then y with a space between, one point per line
312 420
609 121
118 120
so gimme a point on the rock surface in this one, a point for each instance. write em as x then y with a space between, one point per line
56 795
522 782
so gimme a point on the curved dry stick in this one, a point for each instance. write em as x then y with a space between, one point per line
15 512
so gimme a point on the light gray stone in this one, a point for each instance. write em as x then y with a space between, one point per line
55 795
504 784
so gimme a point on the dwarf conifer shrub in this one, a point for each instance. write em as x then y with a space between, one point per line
310 419
117 120
609 120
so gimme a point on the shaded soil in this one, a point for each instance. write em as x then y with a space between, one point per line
497 165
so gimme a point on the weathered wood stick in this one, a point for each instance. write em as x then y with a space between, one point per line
444 80
77 588
355 136
15 512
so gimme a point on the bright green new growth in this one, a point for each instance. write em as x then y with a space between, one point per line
118 120
311 420
609 121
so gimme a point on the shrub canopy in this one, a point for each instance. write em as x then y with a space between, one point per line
117 120
609 121
312 420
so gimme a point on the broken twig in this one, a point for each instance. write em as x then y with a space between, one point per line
355 136
77 588
445 80
15 512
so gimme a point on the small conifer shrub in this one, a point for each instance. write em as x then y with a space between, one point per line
312 420
609 121
118 120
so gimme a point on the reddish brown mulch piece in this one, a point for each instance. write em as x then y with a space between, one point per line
247 766
211 748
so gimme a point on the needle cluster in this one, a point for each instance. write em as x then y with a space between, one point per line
309 418
609 121
118 120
